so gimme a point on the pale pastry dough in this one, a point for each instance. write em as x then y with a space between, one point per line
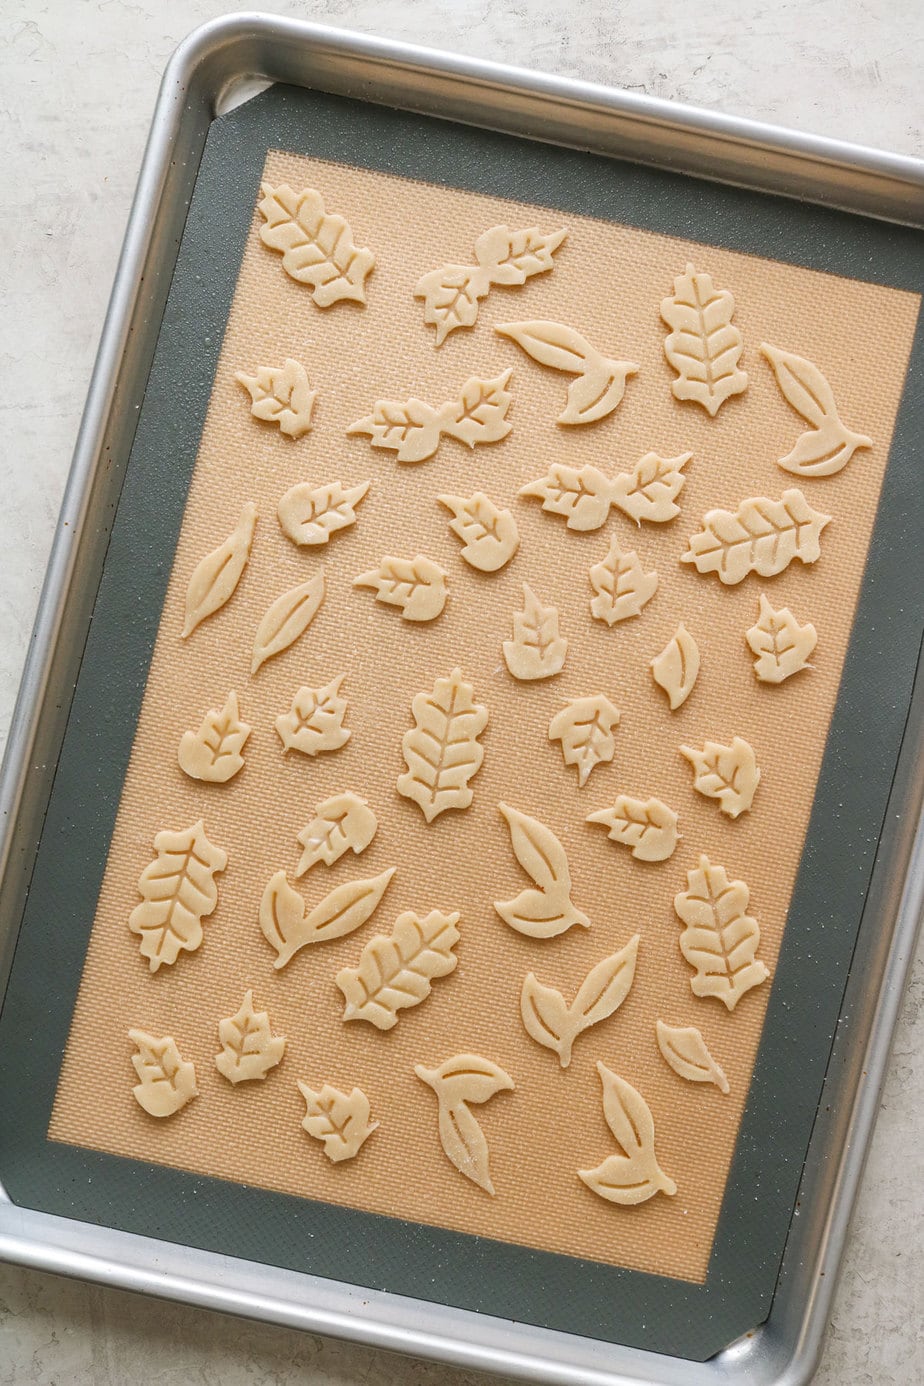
340 824
416 586
600 383
555 1024
727 773
538 649
337 1119
288 617
584 726
442 751
633 1175
720 939
761 536
703 346
828 445
676 668
413 429
687 1053
398 969
281 395
489 535
781 645
249 1049
316 246
581 495
314 723
178 891
547 910
311 514
464 1079
287 925
166 1082
649 491
623 588
646 826
214 752
216 576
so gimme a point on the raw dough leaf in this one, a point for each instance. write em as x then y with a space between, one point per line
704 345
442 751
828 445
726 773
649 490
340 1121
451 293
342 822
720 939
167 1082
646 826
489 535
761 536
551 1022
397 970
289 617
417 586
179 891
249 1047
538 649
413 429
581 494
458 1081
213 753
601 382
314 723
311 514
685 1050
287 926
676 668
781 645
317 248
216 576
281 395
546 911
622 587
584 726
633 1176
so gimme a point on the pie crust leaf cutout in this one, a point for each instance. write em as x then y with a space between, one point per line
213 753
416 586
178 891
538 649
281 395
551 1022
166 1082
442 751
703 346
288 926
584 726
720 939
600 383
340 823
339 1120
685 1050
781 645
289 617
314 722
464 1079
727 773
216 576
646 826
581 494
828 445
249 1049
623 588
634 1175
311 514
451 293
317 248
676 668
413 429
489 535
398 970
546 911
650 489
762 536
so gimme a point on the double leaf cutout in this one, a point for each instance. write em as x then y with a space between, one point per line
829 444
457 1082
583 496
601 381
547 910
633 1175
288 925
555 1024
413 428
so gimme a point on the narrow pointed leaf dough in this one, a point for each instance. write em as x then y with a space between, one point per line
676 668
546 911
413 429
166 1082
249 1049
337 1119
538 649
398 969
600 383
311 514
288 926
178 891
416 586
316 246
685 1050
214 752
314 723
781 645
634 1175
703 346
216 576
762 536
584 726
442 751
340 823
622 586
555 1024
489 535
281 395
646 826
288 617
727 773
464 1079
829 444
720 939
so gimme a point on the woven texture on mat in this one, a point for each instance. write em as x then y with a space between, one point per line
608 282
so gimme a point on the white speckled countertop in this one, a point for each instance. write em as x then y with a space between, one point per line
77 86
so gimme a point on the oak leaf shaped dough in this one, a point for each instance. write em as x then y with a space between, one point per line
281 395
685 1050
621 585
311 514
828 445
551 1022
317 247
339 1120
582 495
600 383
646 826
166 1081
216 576
314 723
213 753
489 535
762 536
538 649
458 1081
288 617
288 926
727 773
178 891
546 911
676 668
704 345
584 726
720 939
340 823
398 969
413 429
634 1175
416 586
781 645
649 490
441 751
249 1047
